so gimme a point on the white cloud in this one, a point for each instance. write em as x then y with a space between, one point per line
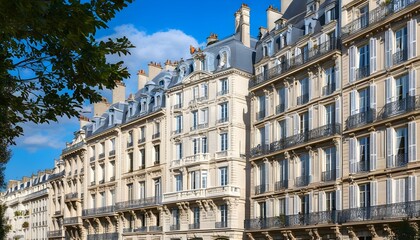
157 47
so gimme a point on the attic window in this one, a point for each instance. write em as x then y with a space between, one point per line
161 83
265 50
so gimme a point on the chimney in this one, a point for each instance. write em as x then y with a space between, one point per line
141 79
263 31
273 15
100 107
118 93
169 66
83 120
154 69
213 38
284 5
243 24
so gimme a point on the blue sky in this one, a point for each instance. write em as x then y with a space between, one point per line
161 30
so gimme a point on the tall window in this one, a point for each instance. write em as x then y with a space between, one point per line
196 213
282 100
103 200
224 112
223 142
142 133
204 90
401 87
175 217
93 200
196 92
130 161
194 115
204 147
364 60
178 182
364 100
204 179
223 215
400 193
330 114
330 201
304 122
112 144
157 153
364 16
304 204
195 179
142 190
364 153
204 113
223 176
195 145
178 149
112 193
224 87
282 129
401 40
178 123
329 81
364 195
282 206
330 167
158 190
401 144
130 193
142 158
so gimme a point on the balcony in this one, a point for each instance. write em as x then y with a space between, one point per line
398 107
302 181
281 185
303 99
103 236
203 193
362 72
329 89
312 54
156 135
222 224
260 115
399 57
199 126
260 189
200 157
280 108
194 226
177 131
177 106
132 230
223 120
101 155
141 140
138 203
199 99
155 228
70 196
397 160
328 176
361 118
298 139
55 234
260 149
222 92
112 153
73 147
92 158
130 144
98 211
376 15
174 227
72 221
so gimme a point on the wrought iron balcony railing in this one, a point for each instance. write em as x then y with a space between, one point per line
155 228
376 15
57 233
222 92
281 185
112 153
92 158
73 147
314 53
302 181
361 166
330 175
74 195
361 118
103 236
98 211
177 131
138 203
399 56
398 107
260 149
156 135
397 160
260 115
72 220
328 89
194 225
130 144
141 140
280 108
260 189
362 72
302 99
175 227
177 106
223 120
222 224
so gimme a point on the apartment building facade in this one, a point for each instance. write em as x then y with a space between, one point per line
27 205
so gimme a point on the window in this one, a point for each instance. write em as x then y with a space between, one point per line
93 200
329 81
195 179
130 193
223 142
223 112
204 179
304 91
92 152
282 129
142 190
330 165
304 122
282 207
157 128
364 16
282 100
364 59
401 87
103 200
261 111
204 148
223 214
178 149
175 217
194 116
401 142
178 182
204 113
157 154
400 190
130 162
112 144
196 92
330 15
178 100
178 124
364 153
142 158
204 90
223 174
196 144
330 201
130 139
304 204
263 210
224 87
401 40
158 190
364 195
196 215
142 134
330 114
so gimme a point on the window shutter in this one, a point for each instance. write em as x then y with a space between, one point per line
296 204
352 197
354 108
373 151
352 61
388 90
389 190
373 193
372 96
337 157
412 82
286 204
309 161
388 48
321 201
310 198
338 110
412 141
267 134
295 123
337 77
310 87
411 188
310 113
389 146
288 126
338 200
412 37
352 154
372 50
286 98
267 105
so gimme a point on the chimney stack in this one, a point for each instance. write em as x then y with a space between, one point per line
83 120
285 4
169 66
118 93
273 15
154 69
242 24
141 79
100 107
213 38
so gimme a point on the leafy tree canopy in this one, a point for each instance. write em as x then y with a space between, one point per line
50 60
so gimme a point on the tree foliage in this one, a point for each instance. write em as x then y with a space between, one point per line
405 231
50 60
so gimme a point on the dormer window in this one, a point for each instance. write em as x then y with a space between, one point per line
224 58
265 50
161 83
